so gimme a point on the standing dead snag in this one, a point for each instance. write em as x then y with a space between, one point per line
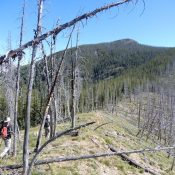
58 29
17 83
29 91
73 83
53 105
9 82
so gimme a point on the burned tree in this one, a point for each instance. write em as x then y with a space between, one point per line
75 83
17 83
29 92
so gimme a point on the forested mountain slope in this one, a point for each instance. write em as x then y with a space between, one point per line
107 72
107 60
134 82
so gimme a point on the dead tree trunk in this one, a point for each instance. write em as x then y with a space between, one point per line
29 92
139 113
17 84
53 104
9 83
56 113
73 84
72 109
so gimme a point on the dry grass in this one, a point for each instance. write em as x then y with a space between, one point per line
120 133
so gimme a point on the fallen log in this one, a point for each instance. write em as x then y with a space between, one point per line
90 156
133 162
73 133
102 125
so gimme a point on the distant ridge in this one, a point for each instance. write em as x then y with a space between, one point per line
107 59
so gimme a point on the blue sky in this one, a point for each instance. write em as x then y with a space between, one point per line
155 26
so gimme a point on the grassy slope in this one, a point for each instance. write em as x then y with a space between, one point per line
121 134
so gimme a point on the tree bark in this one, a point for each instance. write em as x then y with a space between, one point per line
29 93
17 84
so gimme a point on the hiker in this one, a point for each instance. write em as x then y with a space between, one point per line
6 131
47 126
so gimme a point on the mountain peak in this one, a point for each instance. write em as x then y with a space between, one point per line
126 41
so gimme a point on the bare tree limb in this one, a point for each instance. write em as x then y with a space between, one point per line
90 156
102 125
58 29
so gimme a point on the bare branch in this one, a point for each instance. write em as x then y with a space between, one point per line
58 29
102 125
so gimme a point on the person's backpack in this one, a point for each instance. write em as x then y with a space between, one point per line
47 124
4 132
